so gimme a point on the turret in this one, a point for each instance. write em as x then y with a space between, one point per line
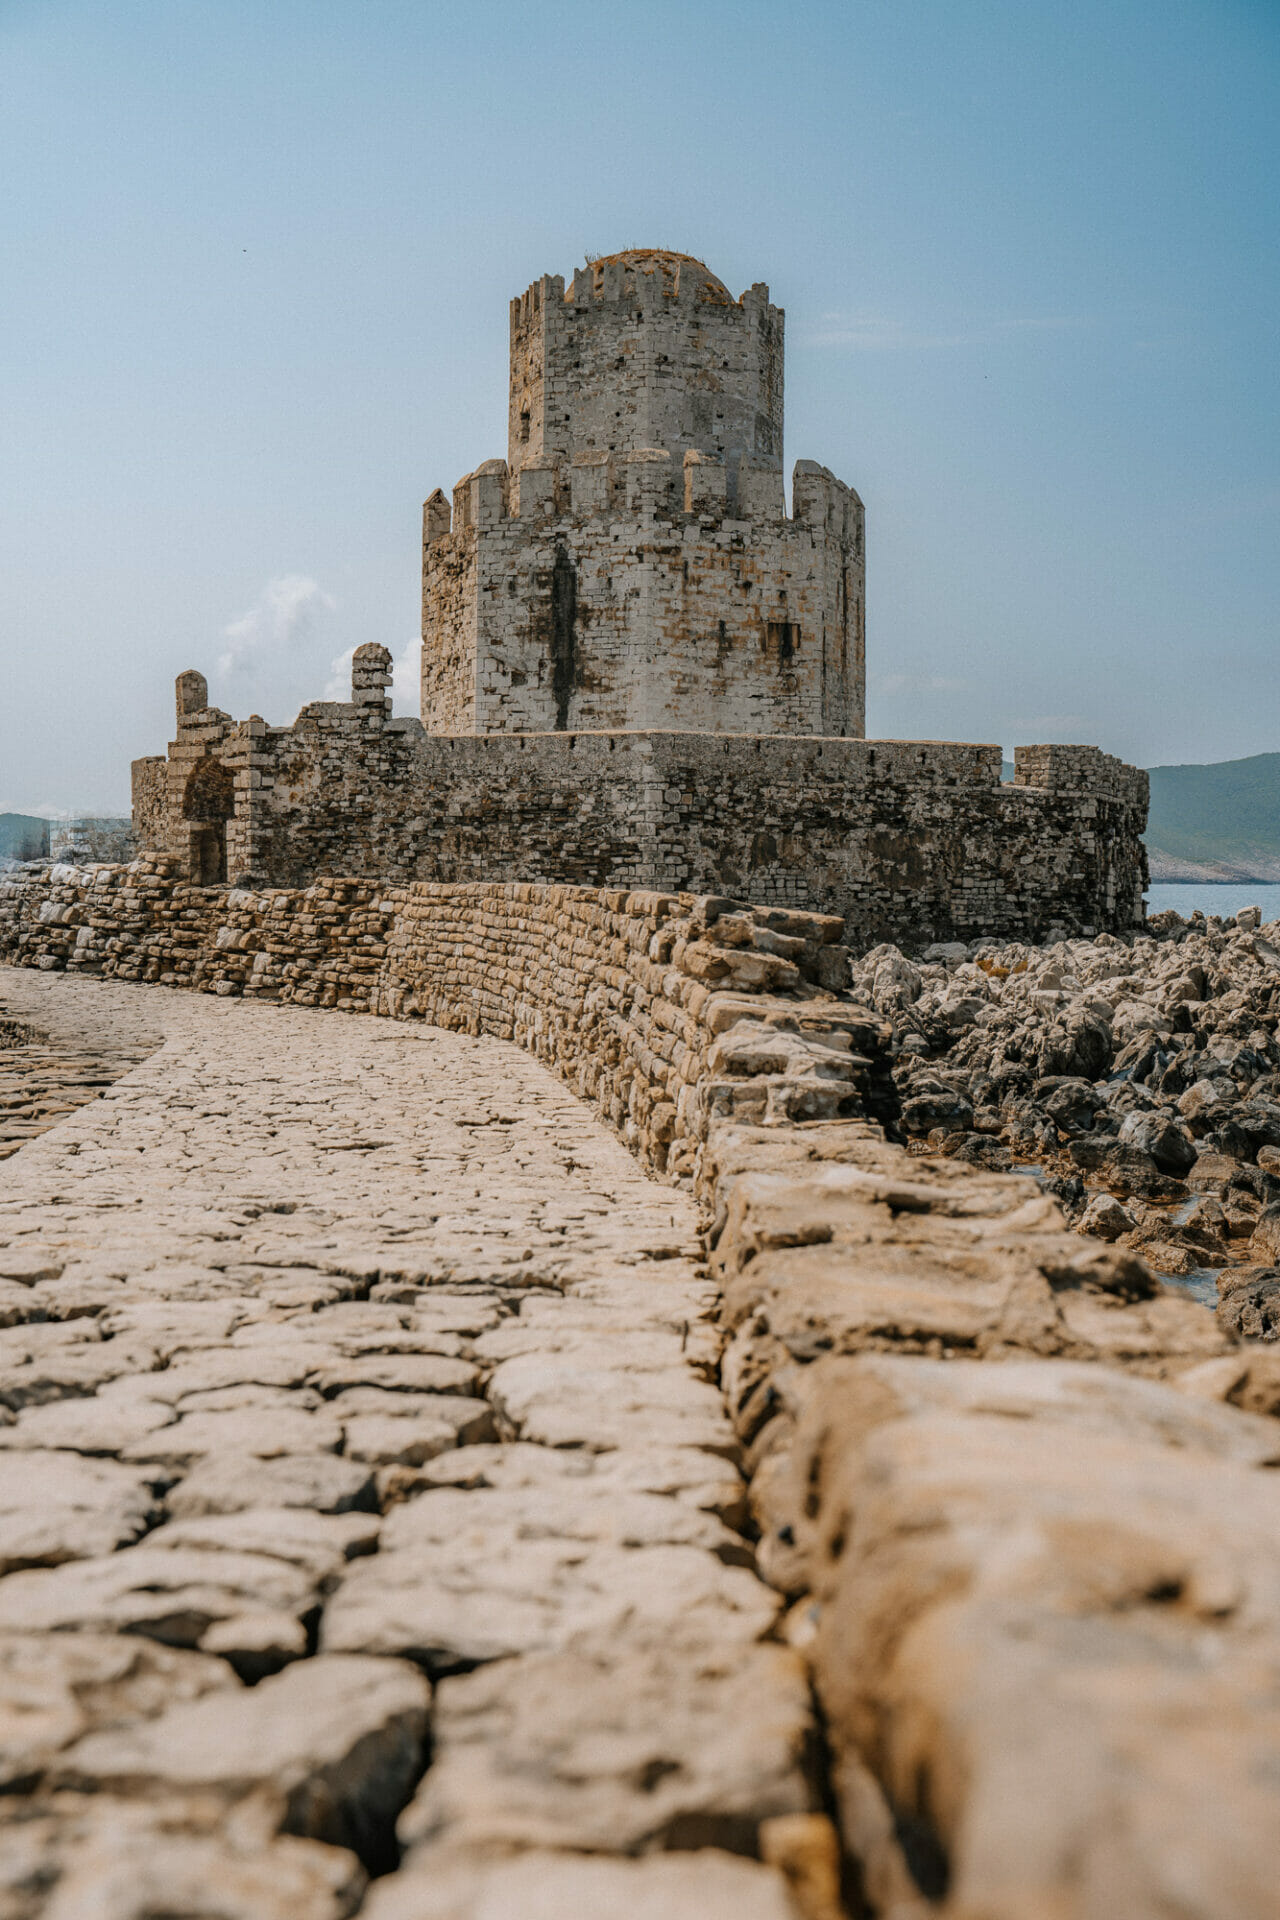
644 349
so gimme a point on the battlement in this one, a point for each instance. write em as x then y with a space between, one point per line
1080 770
645 482
643 275
644 348
632 563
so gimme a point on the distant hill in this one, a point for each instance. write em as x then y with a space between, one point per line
1218 822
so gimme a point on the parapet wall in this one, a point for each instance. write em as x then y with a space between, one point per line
637 999
913 841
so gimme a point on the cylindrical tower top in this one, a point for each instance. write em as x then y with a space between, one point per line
645 348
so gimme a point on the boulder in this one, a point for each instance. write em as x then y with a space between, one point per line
1105 1218
1164 1138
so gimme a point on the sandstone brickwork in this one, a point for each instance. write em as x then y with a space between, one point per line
631 564
914 840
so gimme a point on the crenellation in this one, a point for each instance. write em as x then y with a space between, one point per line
647 359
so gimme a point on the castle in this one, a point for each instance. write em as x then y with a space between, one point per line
631 564
639 671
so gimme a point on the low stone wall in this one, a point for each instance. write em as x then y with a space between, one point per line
663 1010
1022 1502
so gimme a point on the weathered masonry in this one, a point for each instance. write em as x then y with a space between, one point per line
631 563
919 840
638 671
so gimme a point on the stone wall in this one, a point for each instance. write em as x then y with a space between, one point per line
662 1010
913 841
644 349
631 590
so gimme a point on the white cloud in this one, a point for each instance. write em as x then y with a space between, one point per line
278 625
406 686
338 685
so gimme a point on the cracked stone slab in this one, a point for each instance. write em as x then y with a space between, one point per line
174 1594
110 1860
566 1401
55 1688
335 1744
267 1433
632 1752
233 1482
486 1596
255 1314
706 1885
684 1473
556 1510
320 1544
92 1426
63 1506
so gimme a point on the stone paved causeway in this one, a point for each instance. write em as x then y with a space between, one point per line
359 1413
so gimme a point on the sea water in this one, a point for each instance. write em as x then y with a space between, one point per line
1213 896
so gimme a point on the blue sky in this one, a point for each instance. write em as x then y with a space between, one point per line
257 259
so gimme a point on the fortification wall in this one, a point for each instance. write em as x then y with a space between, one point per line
909 840
150 798
643 590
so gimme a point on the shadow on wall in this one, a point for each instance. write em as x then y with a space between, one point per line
208 801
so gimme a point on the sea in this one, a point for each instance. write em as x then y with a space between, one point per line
1223 897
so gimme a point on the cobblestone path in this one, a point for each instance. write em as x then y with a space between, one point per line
359 1413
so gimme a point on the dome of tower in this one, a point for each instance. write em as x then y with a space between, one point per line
673 269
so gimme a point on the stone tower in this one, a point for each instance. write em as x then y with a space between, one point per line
631 564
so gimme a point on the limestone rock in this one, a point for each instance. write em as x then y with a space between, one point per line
564 1401
319 1544
625 1753
60 1506
56 1688
117 1862
98 1425
490 1591
172 1594
267 1433
1085 1631
705 1480
229 1483
401 1372
548 1886
336 1742
1105 1218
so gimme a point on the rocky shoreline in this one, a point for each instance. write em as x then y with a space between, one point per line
1137 1076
